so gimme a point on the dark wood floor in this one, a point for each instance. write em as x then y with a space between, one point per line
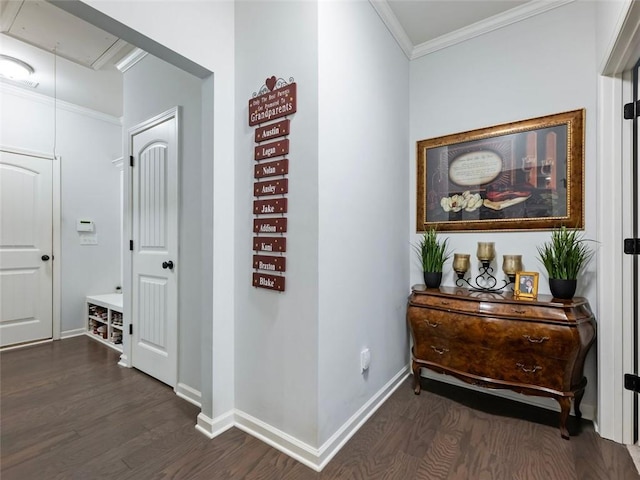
68 411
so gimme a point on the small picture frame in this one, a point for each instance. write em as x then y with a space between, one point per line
526 285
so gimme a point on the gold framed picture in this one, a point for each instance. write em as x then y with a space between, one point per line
526 285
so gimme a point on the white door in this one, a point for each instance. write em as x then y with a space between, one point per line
26 248
154 203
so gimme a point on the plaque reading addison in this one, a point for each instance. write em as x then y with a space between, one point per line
269 207
273 149
271 169
273 130
270 263
272 282
270 225
271 187
274 104
270 244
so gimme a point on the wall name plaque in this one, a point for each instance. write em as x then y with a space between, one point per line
270 207
270 225
270 263
272 282
273 149
273 104
271 169
271 187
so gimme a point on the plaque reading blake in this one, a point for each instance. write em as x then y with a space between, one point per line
271 187
273 149
273 130
274 104
272 282
270 225
269 207
269 263
270 244
271 169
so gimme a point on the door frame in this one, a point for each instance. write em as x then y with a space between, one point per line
127 274
55 234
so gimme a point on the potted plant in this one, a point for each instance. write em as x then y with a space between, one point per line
564 256
432 254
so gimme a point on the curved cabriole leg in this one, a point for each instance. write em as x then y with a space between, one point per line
416 377
576 403
565 407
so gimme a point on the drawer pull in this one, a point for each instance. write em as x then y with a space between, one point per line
515 310
445 303
439 351
434 325
528 370
536 340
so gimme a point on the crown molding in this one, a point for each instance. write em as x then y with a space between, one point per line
487 25
387 16
130 60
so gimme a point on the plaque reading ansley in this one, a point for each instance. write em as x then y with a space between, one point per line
273 130
270 225
273 149
272 282
269 207
271 187
270 244
271 169
274 104
269 263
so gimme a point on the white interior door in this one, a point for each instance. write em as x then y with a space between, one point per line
154 295
26 248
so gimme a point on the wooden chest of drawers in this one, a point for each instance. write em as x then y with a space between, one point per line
535 347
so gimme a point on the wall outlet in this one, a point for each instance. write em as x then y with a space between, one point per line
365 360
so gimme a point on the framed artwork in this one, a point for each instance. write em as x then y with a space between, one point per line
516 176
526 285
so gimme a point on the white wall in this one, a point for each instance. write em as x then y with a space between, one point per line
87 142
276 335
363 200
540 66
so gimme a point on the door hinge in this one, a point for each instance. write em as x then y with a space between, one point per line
632 110
131 245
632 246
131 329
131 160
632 382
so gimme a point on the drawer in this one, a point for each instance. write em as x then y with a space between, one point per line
523 310
429 323
449 303
525 369
450 353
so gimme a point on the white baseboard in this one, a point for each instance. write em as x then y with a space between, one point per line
634 451
189 394
72 333
588 410
214 427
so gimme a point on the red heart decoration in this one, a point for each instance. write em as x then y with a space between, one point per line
270 83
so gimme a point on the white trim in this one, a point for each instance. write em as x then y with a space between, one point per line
24 151
189 394
76 332
130 60
59 104
634 451
624 47
23 345
214 427
111 52
124 361
118 163
387 16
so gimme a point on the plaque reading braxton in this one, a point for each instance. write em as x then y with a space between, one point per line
271 263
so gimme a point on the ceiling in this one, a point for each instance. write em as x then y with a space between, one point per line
85 56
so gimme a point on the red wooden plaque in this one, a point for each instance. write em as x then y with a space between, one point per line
271 187
271 169
267 262
274 104
270 207
271 282
270 225
273 130
273 149
270 244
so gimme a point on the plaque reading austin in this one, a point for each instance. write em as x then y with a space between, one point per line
273 149
271 282
270 207
270 244
271 169
271 187
270 225
273 130
269 263
274 104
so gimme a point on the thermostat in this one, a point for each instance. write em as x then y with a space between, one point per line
84 225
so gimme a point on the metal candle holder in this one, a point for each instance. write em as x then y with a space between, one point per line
485 281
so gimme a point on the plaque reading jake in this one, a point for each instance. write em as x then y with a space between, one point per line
270 207
269 263
272 282
274 149
270 244
271 169
270 225
271 187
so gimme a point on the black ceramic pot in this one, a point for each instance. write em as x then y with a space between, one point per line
561 288
432 279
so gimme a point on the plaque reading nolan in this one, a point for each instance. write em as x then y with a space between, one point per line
271 169
270 244
273 130
271 187
273 149
274 104
269 207
272 282
269 263
270 225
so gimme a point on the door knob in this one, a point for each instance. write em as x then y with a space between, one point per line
168 265
45 258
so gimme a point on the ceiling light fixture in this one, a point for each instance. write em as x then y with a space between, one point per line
14 69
